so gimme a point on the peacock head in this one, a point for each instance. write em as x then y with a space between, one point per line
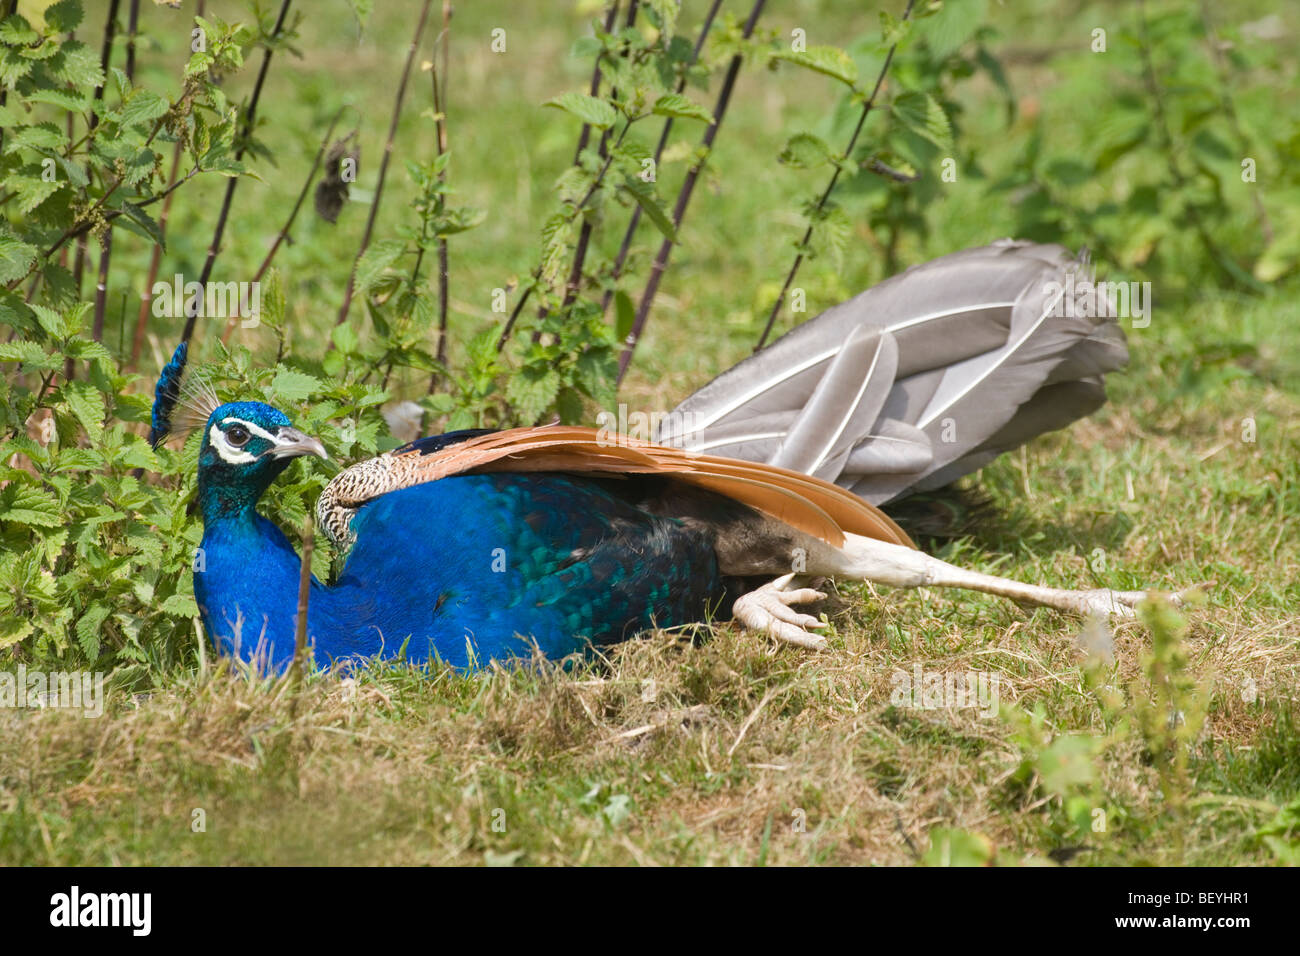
245 446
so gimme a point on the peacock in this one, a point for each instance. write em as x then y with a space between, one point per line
477 545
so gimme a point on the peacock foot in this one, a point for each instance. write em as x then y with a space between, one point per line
769 609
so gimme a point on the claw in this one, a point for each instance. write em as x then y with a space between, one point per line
768 609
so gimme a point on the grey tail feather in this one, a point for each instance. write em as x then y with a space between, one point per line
922 378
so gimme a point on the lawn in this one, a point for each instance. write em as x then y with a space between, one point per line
1170 740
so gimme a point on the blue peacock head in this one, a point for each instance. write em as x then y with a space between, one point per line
246 445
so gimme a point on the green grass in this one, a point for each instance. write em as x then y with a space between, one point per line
729 749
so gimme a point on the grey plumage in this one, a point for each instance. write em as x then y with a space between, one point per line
918 380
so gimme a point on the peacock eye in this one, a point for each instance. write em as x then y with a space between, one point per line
237 435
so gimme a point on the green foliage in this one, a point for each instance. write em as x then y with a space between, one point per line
94 560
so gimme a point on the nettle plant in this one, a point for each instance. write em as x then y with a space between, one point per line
1191 172
93 559
573 321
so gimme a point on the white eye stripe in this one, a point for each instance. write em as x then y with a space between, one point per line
253 429
228 452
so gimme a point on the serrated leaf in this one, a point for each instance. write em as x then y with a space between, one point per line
295 386
531 391
88 628
148 227
77 64
377 258
43 137
644 194
31 191
64 16
87 404
590 110
29 506
16 258
828 60
29 354
804 151
179 605
69 100
50 320
674 104
143 106
922 114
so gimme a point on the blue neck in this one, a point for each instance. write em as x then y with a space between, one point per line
246 585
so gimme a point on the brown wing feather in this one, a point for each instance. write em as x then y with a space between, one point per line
809 504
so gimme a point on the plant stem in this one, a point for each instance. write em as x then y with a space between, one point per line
584 232
106 243
830 187
440 107
625 247
683 199
299 664
250 120
383 163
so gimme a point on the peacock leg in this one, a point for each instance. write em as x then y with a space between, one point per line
768 609
870 560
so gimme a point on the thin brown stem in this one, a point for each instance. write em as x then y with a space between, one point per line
830 187
625 247
440 107
299 664
105 243
683 199
250 120
383 163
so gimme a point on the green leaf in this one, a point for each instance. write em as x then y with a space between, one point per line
148 228
88 626
64 16
143 106
958 848
531 391
87 404
624 315
180 605
666 12
30 354
377 258
590 110
922 114
295 386
674 104
78 65
25 505
70 100
828 60
51 321
43 137
16 258
645 195
952 26
805 151
32 191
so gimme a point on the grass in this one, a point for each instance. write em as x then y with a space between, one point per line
720 747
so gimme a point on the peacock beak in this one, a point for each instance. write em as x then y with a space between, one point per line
289 443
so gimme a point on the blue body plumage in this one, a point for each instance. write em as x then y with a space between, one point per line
494 563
